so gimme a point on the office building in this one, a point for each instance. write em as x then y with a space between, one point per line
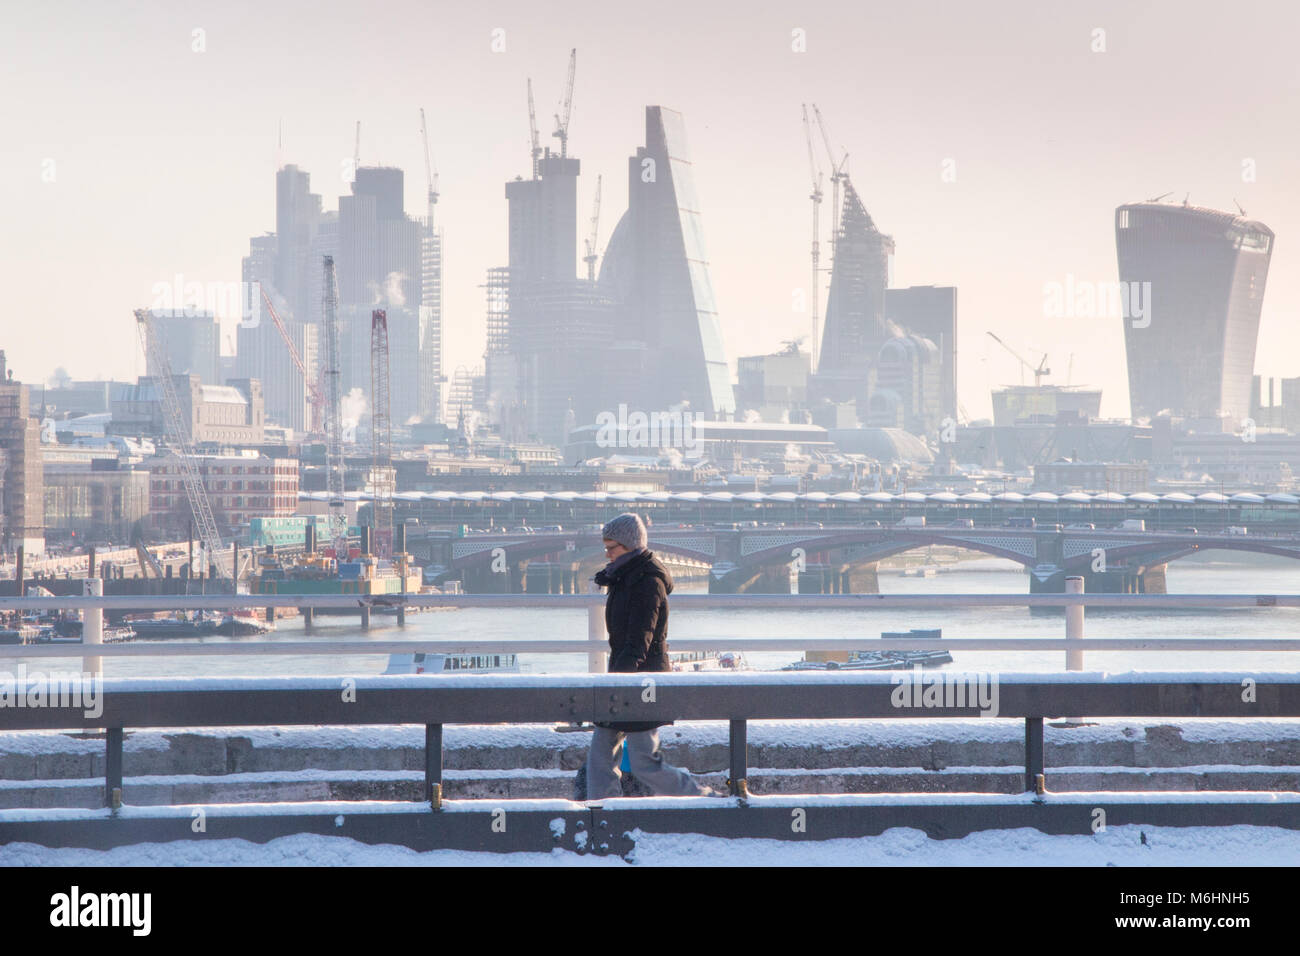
191 341
1192 286
22 495
931 311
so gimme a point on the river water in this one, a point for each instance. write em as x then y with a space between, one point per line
1198 574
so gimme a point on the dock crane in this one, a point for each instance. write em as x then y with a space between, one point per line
562 125
590 257
816 197
1039 372
179 437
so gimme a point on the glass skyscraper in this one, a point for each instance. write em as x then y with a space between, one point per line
656 266
1190 334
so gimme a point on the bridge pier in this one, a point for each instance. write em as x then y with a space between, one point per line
551 577
774 579
484 580
1118 579
1154 579
860 579
840 579
815 579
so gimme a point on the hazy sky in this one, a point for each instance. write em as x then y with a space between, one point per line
127 157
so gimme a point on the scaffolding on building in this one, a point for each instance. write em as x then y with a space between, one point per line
498 310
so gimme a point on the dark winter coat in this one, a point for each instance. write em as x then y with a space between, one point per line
636 619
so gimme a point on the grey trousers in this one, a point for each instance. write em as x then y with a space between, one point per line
644 758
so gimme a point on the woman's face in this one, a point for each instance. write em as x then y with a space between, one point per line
613 549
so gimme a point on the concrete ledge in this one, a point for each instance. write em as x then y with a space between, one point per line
543 826
311 786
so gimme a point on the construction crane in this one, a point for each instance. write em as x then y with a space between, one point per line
838 174
590 257
334 465
179 437
381 439
1039 372
356 152
430 174
315 394
431 383
562 125
532 132
816 198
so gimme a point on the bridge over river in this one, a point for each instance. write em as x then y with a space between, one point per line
835 559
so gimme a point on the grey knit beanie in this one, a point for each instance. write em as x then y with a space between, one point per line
627 529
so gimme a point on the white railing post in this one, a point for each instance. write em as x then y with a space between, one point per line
92 625
1074 625
1074 632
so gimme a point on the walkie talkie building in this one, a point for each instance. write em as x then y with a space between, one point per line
1190 334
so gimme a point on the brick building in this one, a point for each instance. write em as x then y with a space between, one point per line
239 486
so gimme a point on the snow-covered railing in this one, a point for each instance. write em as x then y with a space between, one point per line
471 699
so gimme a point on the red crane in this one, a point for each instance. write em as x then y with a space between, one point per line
315 393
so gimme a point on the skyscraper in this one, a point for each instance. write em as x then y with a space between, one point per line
297 217
380 265
556 324
431 377
855 326
657 269
191 342
22 475
261 352
931 311
1192 281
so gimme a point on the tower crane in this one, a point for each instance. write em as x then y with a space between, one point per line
532 131
816 198
338 522
430 174
431 381
562 125
1039 372
838 174
590 257
356 151
179 437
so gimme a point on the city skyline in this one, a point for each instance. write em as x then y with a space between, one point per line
1039 163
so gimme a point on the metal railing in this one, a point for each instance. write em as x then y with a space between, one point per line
736 698
595 646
